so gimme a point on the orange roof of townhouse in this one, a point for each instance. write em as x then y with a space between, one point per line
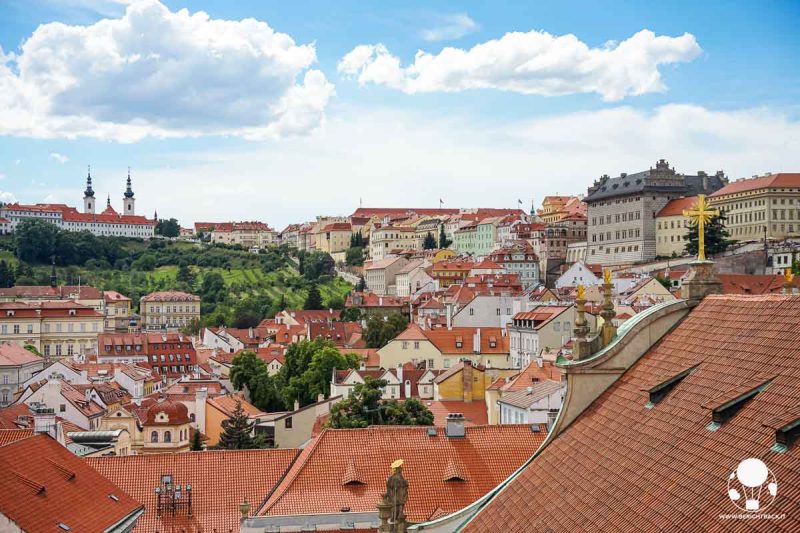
447 341
221 480
227 405
337 226
475 413
348 468
533 373
640 467
541 315
12 354
45 486
7 436
677 206
753 284
114 296
382 263
412 333
314 315
783 180
170 296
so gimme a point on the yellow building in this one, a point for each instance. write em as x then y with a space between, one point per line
766 205
166 428
334 237
467 382
170 310
555 208
55 329
117 311
672 227
245 234
443 348
221 408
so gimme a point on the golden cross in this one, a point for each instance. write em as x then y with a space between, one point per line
699 215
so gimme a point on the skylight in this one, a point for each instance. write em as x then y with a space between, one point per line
727 404
660 390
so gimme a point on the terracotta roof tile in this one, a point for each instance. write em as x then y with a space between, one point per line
50 485
220 481
314 483
630 468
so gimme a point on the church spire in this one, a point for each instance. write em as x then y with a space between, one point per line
108 201
89 192
129 190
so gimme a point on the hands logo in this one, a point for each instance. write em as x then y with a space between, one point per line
752 486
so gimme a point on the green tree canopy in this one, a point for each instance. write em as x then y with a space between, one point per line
168 228
35 240
429 243
314 299
364 408
354 256
379 331
716 237
237 431
444 242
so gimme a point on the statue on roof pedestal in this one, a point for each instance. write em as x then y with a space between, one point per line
393 501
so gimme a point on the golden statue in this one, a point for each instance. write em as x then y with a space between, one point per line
699 215
580 292
787 273
607 275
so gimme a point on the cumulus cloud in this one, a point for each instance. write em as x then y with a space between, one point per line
61 158
495 161
154 72
451 27
7 197
535 62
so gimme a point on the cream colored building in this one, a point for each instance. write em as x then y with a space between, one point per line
246 234
334 237
117 311
55 329
672 227
761 205
170 310
384 240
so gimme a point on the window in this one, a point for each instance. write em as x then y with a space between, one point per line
167 436
287 423
62 408
154 436
16 328
404 345
416 347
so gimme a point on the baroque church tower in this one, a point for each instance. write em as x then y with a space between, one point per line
128 201
88 194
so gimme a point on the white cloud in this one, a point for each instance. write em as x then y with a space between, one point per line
452 27
397 158
55 156
7 197
535 62
153 72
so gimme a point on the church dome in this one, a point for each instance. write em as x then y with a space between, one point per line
167 412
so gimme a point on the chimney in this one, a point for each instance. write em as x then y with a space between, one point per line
201 395
400 373
449 311
466 375
297 405
44 420
250 333
454 427
476 341
539 361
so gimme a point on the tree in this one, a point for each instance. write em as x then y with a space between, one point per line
429 243
444 242
7 277
317 264
245 368
35 240
350 314
168 228
362 284
364 408
197 442
185 275
237 431
354 256
313 300
716 237
380 332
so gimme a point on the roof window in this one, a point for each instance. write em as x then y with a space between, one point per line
787 429
727 404
660 390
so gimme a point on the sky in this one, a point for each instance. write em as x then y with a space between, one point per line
282 111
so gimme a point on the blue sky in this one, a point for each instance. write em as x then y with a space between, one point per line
213 131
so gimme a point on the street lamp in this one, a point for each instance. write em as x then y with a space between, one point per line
171 496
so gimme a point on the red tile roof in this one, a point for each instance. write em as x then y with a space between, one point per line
475 413
623 467
7 436
677 206
446 340
44 484
314 484
170 296
751 284
782 180
221 480
12 354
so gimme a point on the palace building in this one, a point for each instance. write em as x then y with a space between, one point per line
107 223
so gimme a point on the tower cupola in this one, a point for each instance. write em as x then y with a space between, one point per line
88 194
128 201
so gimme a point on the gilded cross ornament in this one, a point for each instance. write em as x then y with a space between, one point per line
788 275
607 275
699 215
580 292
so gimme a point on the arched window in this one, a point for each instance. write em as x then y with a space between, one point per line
167 436
154 436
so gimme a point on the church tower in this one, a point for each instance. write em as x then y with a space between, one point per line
128 201
88 194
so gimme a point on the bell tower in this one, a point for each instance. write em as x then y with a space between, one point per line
128 201
88 194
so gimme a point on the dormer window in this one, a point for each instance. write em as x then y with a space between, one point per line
72 312
787 429
727 404
459 342
660 390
